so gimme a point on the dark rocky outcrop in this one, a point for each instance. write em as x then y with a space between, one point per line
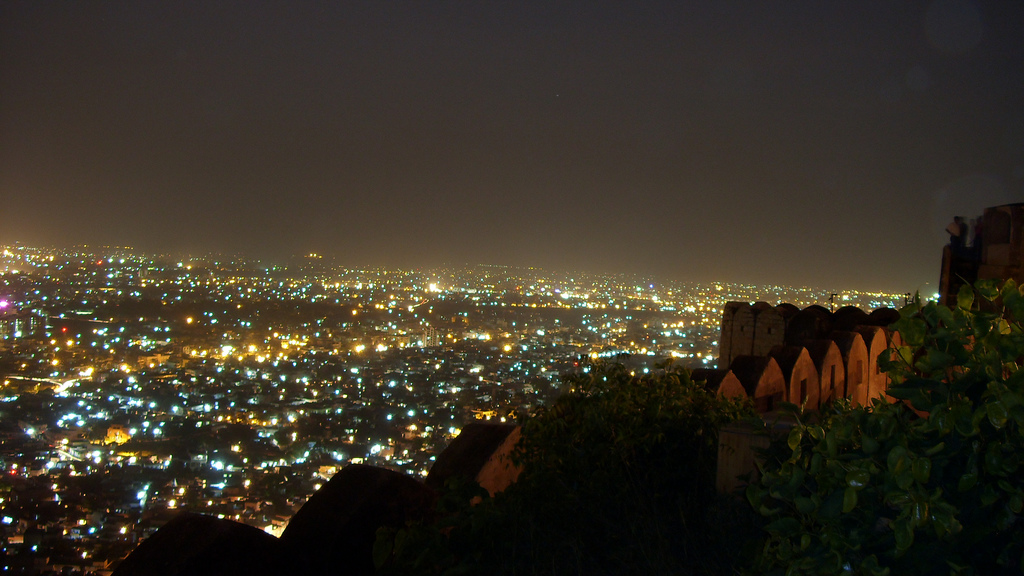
477 449
195 545
333 533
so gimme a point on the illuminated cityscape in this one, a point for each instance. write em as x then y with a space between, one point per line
244 246
135 386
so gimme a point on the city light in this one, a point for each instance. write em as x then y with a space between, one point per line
246 387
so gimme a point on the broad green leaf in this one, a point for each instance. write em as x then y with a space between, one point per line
804 505
941 525
1015 504
849 499
987 288
1009 287
946 316
1002 327
832 505
830 443
919 513
857 478
989 496
796 478
898 498
896 459
965 298
904 478
922 468
1014 301
871 566
997 413
968 481
993 460
868 444
904 534
783 527
936 360
913 331
815 466
942 421
795 436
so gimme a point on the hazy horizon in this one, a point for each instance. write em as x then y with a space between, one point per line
796 142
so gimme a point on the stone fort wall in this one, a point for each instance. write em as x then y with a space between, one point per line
807 357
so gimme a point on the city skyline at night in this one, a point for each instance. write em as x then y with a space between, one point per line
237 388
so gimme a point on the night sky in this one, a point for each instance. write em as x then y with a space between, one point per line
792 142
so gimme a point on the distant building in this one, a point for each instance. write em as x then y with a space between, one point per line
154 359
117 434
432 338
20 323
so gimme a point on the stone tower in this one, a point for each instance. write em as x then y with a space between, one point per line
996 252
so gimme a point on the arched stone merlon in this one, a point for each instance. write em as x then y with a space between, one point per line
725 348
800 374
709 377
877 343
855 359
849 317
769 329
748 370
828 361
742 334
811 323
762 379
883 317
730 386
787 310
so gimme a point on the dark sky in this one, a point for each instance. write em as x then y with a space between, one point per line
792 142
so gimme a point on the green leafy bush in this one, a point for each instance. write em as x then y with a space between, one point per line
617 478
930 484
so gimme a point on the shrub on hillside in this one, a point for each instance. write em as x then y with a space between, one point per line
617 478
931 484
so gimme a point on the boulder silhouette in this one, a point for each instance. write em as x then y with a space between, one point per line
198 545
481 453
334 531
